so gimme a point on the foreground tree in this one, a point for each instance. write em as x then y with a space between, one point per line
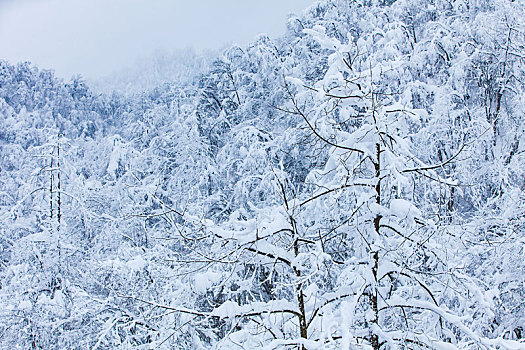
395 287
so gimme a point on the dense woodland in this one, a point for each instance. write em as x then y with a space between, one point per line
358 183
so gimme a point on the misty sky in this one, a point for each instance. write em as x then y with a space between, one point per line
96 37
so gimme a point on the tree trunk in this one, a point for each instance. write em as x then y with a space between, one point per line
374 338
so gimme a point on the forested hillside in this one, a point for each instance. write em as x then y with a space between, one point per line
358 183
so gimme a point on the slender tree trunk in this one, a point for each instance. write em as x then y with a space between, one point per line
303 326
59 208
374 338
51 188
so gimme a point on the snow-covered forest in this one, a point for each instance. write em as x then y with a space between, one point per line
358 183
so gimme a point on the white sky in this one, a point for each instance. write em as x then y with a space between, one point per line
96 37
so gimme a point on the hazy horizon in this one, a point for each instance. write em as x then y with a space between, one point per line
97 38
